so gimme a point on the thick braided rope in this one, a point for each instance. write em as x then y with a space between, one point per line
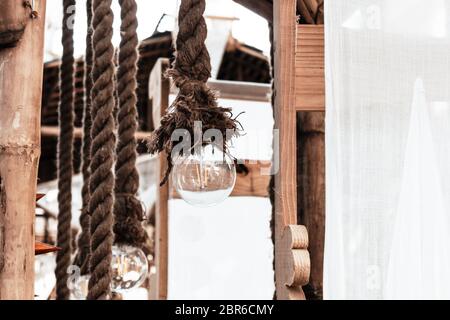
195 100
65 156
127 209
192 61
84 239
102 152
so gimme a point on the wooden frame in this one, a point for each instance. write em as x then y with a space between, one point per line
298 89
159 90
251 184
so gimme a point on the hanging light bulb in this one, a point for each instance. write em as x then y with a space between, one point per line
80 288
129 268
204 178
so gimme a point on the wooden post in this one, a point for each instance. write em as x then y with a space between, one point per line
310 96
311 192
14 16
159 89
284 18
21 70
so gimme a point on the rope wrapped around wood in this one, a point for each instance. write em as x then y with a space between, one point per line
84 239
65 150
190 72
128 210
102 152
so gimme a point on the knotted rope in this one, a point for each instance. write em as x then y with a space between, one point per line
102 152
84 241
65 157
128 211
190 72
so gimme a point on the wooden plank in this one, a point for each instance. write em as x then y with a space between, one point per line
53 131
260 7
43 248
20 95
159 89
285 122
311 192
237 90
310 68
252 184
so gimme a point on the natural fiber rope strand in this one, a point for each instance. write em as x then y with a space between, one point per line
102 152
83 243
65 149
190 72
128 211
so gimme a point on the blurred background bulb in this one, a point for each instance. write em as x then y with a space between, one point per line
129 268
204 178
80 289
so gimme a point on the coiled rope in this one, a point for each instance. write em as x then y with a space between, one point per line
65 156
128 211
102 152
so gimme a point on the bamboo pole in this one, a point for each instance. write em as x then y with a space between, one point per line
14 16
20 95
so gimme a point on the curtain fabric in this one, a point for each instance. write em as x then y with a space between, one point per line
388 149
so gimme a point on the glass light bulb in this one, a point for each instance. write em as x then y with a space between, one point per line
129 268
80 288
204 178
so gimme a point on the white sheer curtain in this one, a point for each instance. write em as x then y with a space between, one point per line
388 149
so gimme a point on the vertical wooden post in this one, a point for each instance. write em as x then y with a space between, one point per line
21 71
311 193
284 20
14 16
159 89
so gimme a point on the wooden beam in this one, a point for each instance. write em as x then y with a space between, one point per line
285 121
260 7
14 16
53 131
310 68
159 89
311 192
237 90
252 184
20 95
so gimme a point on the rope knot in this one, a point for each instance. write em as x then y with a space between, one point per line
127 228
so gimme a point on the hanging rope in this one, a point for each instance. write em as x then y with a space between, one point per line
83 243
128 211
190 72
65 157
102 152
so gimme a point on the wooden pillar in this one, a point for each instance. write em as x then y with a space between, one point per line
21 69
159 90
287 250
311 192
310 104
14 16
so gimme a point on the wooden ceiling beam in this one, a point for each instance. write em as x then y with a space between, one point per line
264 8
